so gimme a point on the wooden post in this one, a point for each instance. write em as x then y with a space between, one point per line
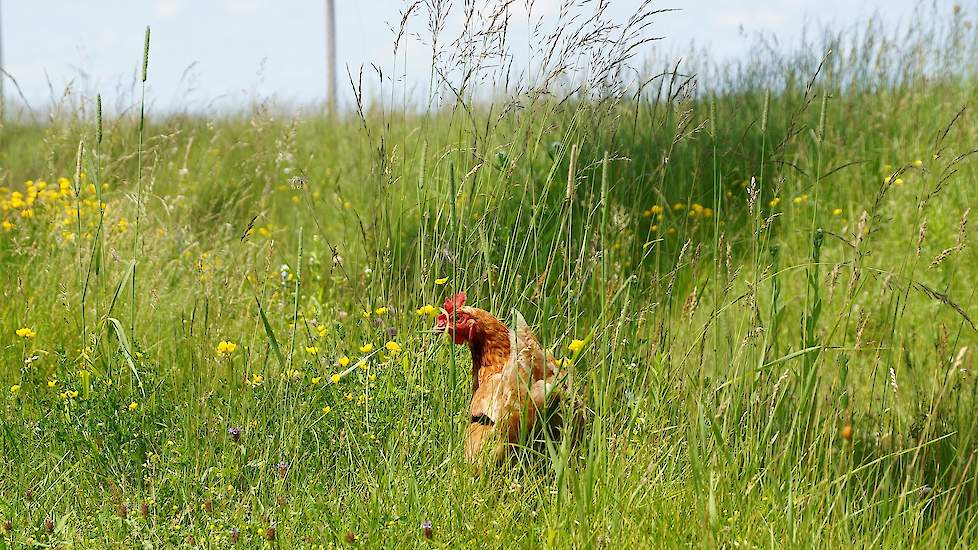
330 58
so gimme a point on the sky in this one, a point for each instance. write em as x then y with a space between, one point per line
230 54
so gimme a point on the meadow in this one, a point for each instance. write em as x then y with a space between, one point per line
217 330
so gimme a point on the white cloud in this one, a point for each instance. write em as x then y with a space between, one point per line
168 9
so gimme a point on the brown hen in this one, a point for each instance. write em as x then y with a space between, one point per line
514 380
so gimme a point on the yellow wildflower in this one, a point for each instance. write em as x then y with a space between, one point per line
335 378
393 347
381 311
321 329
343 361
678 206
15 388
312 350
316 380
226 348
349 396
576 345
7 225
918 163
837 212
72 393
647 214
441 281
26 333
366 348
133 406
371 377
774 202
52 383
326 409
656 209
428 310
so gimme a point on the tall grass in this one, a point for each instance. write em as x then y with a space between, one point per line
775 296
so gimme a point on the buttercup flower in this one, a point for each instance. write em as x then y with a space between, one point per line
392 347
335 378
133 406
381 311
25 333
343 361
428 310
366 348
576 345
225 349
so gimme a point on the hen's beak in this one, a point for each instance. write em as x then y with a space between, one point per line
441 324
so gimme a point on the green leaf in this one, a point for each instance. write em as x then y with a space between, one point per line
272 342
126 350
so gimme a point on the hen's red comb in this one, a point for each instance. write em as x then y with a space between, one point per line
455 301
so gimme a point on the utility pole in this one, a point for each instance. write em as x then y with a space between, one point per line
3 74
330 58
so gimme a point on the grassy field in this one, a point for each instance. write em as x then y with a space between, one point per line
213 330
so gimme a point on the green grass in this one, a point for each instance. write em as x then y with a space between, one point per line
729 341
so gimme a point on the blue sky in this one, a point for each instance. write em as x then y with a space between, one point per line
230 53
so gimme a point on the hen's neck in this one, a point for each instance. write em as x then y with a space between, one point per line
490 351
